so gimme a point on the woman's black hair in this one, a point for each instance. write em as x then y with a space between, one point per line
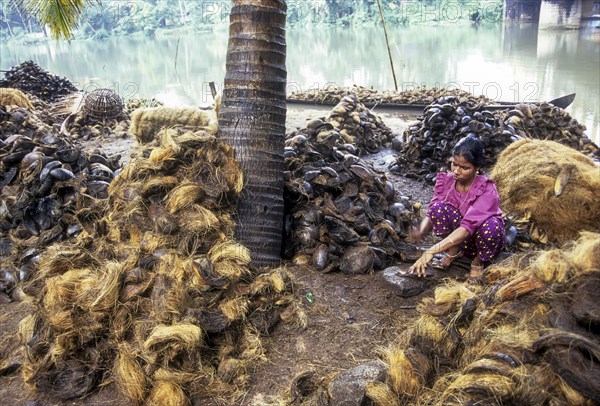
471 149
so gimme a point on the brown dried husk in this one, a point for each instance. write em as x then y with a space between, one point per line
381 394
126 286
146 122
515 350
167 393
526 173
408 371
129 375
14 97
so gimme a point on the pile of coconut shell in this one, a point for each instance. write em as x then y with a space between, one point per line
549 190
547 122
421 95
428 143
529 336
31 78
44 180
154 294
342 214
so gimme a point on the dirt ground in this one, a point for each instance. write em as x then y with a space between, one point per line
349 320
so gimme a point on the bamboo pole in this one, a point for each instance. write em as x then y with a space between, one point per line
387 42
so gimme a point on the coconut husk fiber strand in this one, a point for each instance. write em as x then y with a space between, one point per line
14 97
155 294
528 337
556 186
146 122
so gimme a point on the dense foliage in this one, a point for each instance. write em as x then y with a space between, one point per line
122 17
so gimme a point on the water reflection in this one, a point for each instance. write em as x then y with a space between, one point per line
503 62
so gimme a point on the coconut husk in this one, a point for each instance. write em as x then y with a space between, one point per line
381 394
176 338
146 122
166 393
508 353
586 307
519 286
14 97
567 353
408 372
158 275
305 387
431 335
480 388
585 253
129 375
554 185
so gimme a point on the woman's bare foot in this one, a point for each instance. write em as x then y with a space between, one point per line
450 256
476 268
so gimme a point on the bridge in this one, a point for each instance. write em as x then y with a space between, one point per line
553 14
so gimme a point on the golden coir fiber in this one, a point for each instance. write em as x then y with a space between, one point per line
129 375
14 97
585 253
183 195
466 387
431 334
166 393
554 184
186 337
235 308
146 122
381 394
408 370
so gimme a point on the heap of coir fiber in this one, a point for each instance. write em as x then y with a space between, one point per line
147 121
14 97
529 337
549 190
154 294
43 178
342 214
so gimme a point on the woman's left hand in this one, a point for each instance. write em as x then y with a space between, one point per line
420 265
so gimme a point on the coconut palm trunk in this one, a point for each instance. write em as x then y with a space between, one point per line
252 121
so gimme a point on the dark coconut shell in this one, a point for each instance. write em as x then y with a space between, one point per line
357 260
8 176
211 321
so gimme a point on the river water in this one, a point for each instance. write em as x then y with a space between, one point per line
504 62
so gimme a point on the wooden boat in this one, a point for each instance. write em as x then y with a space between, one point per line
562 102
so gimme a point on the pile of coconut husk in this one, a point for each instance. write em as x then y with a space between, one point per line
428 143
550 190
44 179
342 213
420 95
547 122
154 294
529 336
31 78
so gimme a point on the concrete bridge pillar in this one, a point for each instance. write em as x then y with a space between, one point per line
563 14
522 11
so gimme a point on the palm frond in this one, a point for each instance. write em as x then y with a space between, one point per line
60 15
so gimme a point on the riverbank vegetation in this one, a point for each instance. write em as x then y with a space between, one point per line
108 18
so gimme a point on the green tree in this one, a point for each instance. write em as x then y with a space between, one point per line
252 116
